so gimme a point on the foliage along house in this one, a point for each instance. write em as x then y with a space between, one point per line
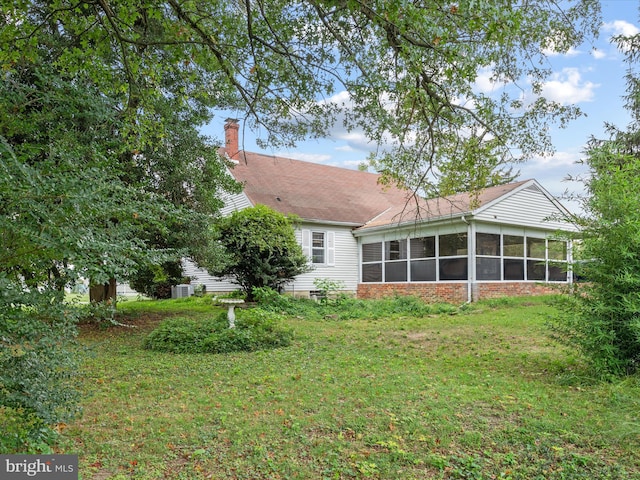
379 240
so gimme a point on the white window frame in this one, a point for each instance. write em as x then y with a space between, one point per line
329 246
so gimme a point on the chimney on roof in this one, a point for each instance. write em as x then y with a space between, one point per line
231 128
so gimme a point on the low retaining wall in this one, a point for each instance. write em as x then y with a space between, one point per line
457 292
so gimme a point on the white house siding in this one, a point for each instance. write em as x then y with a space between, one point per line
345 268
200 276
234 202
528 207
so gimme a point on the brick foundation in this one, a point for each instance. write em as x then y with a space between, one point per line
430 292
457 292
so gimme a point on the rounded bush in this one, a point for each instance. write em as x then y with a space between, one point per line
255 329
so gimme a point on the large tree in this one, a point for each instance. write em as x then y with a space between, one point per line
410 70
102 167
602 318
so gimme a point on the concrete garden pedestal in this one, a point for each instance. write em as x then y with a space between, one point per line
231 303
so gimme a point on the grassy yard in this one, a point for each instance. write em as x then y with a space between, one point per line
480 394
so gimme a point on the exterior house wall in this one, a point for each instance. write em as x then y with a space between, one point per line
433 292
343 269
526 211
528 207
200 276
234 202
471 289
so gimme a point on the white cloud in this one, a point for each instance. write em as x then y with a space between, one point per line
345 148
354 164
598 54
484 81
342 98
558 159
551 52
568 87
620 27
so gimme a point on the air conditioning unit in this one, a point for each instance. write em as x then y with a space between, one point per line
181 291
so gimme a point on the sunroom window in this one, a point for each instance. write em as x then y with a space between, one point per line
372 262
488 256
423 261
455 246
395 266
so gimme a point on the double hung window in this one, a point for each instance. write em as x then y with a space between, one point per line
319 246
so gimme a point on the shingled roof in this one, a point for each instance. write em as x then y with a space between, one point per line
322 193
315 192
443 207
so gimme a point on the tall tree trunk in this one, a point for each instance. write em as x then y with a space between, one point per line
105 292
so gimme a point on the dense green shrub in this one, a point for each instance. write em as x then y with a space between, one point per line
602 317
37 366
261 249
255 329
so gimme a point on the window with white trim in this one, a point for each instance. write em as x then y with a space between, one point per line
516 257
319 246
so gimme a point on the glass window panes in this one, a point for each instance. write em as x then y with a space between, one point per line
513 269
513 246
395 250
423 247
488 244
557 273
488 268
453 269
317 247
372 252
453 245
372 272
395 272
535 247
423 270
557 250
536 270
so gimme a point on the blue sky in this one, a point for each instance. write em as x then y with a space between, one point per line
590 76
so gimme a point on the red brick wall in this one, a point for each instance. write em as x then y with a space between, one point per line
431 292
456 292
515 289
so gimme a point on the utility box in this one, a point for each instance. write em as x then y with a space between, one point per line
181 291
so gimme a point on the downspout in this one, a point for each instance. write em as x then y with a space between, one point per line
471 248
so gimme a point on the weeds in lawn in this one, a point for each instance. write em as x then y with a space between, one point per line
392 395
255 329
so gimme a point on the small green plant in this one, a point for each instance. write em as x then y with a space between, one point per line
328 288
255 329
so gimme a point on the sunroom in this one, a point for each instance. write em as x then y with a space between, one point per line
514 244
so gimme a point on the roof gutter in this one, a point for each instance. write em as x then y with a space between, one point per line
364 229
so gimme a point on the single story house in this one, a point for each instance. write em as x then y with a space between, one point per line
379 240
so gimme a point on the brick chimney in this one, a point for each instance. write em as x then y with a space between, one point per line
231 137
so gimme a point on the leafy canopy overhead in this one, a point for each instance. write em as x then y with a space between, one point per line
410 70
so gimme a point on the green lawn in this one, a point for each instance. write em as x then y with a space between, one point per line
482 394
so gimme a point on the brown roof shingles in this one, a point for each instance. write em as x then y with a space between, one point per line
313 191
323 193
